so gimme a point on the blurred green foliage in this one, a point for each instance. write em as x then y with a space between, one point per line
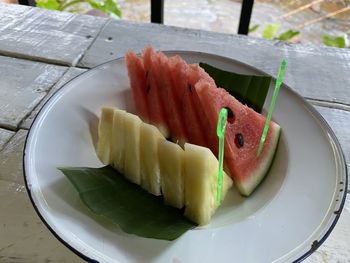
270 32
109 7
335 41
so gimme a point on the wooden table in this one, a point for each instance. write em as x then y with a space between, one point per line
41 50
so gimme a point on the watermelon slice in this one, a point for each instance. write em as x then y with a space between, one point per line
190 116
153 97
195 74
167 90
137 77
242 137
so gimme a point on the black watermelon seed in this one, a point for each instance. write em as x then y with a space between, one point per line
189 87
230 115
239 141
148 89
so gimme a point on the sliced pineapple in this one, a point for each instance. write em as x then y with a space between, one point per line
118 140
132 148
200 179
171 158
150 137
139 151
105 134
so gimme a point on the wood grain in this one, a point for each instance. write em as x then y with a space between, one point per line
23 84
27 238
11 157
49 36
70 74
24 237
5 136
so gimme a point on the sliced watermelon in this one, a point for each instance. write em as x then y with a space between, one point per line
172 110
154 99
180 93
242 137
190 116
195 74
137 77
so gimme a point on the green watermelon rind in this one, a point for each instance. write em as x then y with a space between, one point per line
248 186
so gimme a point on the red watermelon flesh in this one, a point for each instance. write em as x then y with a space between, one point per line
189 113
137 77
176 90
154 99
172 110
195 74
242 137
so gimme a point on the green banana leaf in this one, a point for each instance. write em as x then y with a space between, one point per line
107 193
248 89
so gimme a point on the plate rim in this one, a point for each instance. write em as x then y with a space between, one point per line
315 244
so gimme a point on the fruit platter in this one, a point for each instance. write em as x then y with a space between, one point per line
147 122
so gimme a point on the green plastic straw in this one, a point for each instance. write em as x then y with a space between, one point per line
220 132
272 105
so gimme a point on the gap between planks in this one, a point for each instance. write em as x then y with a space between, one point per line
91 44
54 61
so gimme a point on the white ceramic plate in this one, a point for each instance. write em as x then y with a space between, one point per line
286 219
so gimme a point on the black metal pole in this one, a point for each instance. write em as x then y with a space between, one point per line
27 2
157 11
244 20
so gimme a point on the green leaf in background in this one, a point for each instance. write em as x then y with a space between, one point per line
254 28
331 41
107 193
49 4
288 35
270 31
108 6
248 89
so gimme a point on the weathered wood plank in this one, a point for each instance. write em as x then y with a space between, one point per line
71 73
305 72
23 84
27 238
5 136
339 121
336 248
24 237
11 157
50 36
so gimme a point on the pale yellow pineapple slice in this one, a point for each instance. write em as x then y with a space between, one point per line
150 137
132 148
103 148
118 140
171 159
200 180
